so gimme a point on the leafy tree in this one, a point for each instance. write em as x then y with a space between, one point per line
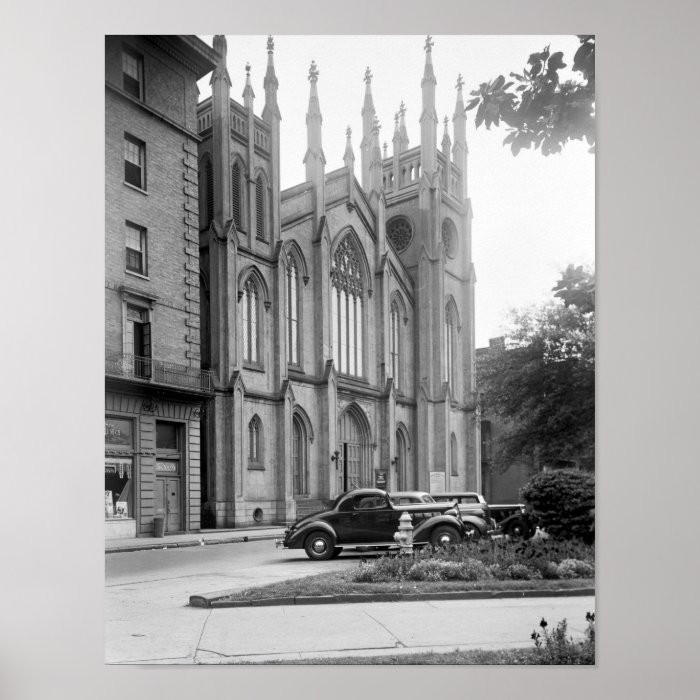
563 501
541 383
541 110
577 288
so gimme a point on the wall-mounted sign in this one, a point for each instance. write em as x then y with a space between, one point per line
437 482
118 431
163 467
380 478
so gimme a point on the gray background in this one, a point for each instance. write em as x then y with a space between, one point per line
51 631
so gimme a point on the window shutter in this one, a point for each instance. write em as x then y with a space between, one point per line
259 202
236 194
209 174
146 329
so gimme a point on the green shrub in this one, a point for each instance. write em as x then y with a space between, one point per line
575 568
556 648
563 501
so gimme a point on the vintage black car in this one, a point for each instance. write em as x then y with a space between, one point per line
513 520
367 519
474 514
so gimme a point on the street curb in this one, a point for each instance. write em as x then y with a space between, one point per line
195 543
221 599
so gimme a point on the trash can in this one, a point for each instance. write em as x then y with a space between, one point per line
158 526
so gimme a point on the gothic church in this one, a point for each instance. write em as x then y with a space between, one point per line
336 316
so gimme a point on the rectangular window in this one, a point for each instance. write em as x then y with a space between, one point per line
167 436
136 248
134 162
138 341
132 73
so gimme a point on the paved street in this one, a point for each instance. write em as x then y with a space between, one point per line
147 619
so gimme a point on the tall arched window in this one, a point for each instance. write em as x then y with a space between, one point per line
300 457
292 312
260 208
251 350
454 471
395 344
254 441
236 194
450 340
346 277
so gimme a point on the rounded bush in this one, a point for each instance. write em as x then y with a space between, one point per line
575 568
563 501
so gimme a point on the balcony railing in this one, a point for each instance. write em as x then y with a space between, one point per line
147 369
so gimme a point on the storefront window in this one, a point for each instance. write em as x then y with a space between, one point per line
119 469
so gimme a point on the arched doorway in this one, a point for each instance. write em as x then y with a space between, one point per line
399 478
353 445
300 457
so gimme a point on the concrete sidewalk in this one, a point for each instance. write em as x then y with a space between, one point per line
294 633
194 539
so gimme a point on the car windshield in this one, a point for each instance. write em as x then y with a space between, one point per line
428 499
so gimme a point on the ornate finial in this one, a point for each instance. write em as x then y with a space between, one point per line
402 109
429 43
368 76
376 126
247 68
348 132
270 44
313 72
460 81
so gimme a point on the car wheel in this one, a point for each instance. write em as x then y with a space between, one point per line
517 530
319 545
472 532
336 552
444 536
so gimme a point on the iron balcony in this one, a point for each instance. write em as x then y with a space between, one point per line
150 370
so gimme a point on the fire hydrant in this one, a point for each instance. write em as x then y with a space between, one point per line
404 536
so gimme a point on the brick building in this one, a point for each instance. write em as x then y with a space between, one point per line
337 316
155 387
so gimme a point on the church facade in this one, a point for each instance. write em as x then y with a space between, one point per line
336 316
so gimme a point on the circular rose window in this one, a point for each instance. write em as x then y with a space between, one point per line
399 233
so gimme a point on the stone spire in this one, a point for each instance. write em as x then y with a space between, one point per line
460 150
314 160
270 84
248 94
349 156
402 128
428 118
375 166
368 115
446 142
221 129
220 72
396 142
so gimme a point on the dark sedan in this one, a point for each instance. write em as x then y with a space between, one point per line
367 519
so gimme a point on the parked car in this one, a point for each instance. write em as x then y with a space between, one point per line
402 497
476 523
513 520
471 505
367 519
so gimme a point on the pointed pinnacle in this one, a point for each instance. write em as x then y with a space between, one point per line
429 43
368 76
270 44
313 72
460 82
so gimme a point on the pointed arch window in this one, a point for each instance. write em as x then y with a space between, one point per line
260 208
348 309
236 194
395 344
255 457
450 345
251 320
293 312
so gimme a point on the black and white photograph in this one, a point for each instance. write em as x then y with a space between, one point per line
387 313
349 356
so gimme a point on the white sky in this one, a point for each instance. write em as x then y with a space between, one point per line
532 215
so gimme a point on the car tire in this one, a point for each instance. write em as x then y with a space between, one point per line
319 545
444 536
517 530
336 552
472 532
